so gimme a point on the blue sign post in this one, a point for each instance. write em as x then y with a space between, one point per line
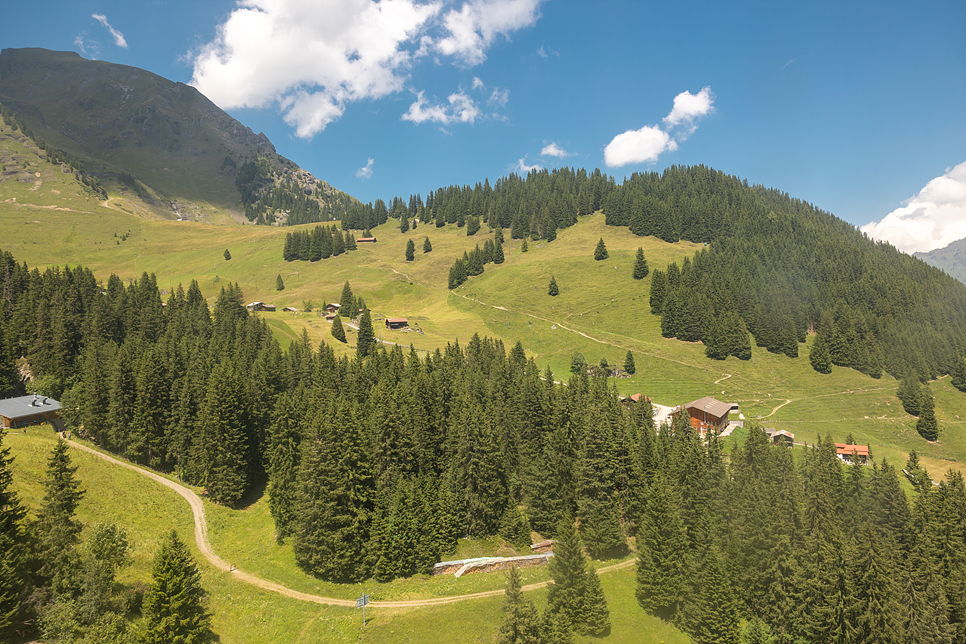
361 603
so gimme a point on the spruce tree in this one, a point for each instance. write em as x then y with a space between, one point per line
227 255
596 613
338 331
640 265
568 568
174 605
553 290
58 530
284 455
279 284
410 250
427 246
660 542
366 339
629 363
521 622
498 256
523 247
819 356
224 427
718 618
346 302
12 545
927 426
600 252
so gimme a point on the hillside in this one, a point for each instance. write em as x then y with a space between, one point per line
159 145
951 259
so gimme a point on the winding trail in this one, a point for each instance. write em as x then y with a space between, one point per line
204 545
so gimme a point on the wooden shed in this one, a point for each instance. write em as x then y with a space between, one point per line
396 323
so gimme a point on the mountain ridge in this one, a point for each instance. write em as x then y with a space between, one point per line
950 258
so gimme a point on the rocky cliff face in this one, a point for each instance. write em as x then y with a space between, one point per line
951 259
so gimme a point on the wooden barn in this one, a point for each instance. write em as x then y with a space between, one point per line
394 324
706 413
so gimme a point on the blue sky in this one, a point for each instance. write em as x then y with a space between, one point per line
856 107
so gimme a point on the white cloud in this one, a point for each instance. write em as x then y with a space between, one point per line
118 36
522 167
477 83
312 58
554 150
474 26
688 108
365 171
542 52
499 97
932 219
79 43
638 146
461 109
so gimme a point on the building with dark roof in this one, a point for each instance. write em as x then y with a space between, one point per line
706 413
28 410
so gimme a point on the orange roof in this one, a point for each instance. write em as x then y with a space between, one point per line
847 450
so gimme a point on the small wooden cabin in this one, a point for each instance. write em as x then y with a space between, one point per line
394 324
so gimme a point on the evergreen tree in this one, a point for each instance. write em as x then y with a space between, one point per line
498 256
346 303
553 290
411 250
427 246
366 339
629 363
523 247
568 568
279 284
718 620
404 224
521 622
174 605
819 356
12 545
640 265
515 528
224 426
338 332
227 255
927 426
660 542
600 252
596 613
58 530
910 393
284 456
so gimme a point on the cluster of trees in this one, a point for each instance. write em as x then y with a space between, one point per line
322 242
268 197
472 263
917 400
54 586
815 551
785 268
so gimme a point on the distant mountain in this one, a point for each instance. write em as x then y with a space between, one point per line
161 140
951 259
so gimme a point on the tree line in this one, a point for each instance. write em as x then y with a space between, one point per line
322 242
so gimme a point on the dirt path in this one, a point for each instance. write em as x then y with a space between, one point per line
777 408
201 538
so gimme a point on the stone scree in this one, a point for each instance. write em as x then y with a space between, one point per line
462 567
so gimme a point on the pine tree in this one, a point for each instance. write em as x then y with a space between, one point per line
910 393
600 252
12 544
427 246
568 568
498 256
346 303
819 356
927 426
523 247
404 224
629 363
596 613
718 620
227 255
366 339
640 265
411 250
57 528
660 542
521 622
279 284
338 331
224 440
553 290
284 455
174 606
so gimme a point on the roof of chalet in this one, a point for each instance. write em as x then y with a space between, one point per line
708 404
397 321
24 406
845 449
772 432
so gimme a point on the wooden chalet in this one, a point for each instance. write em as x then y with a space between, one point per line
28 410
260 306
290 309
780 436
706 413
366 240
852 453
634 399
394 324
331 308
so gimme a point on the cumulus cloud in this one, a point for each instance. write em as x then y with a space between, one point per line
473 27
522 167
688 108
365 171
638 146
554 150
118 36
648 143
932 219
459 109
312 58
